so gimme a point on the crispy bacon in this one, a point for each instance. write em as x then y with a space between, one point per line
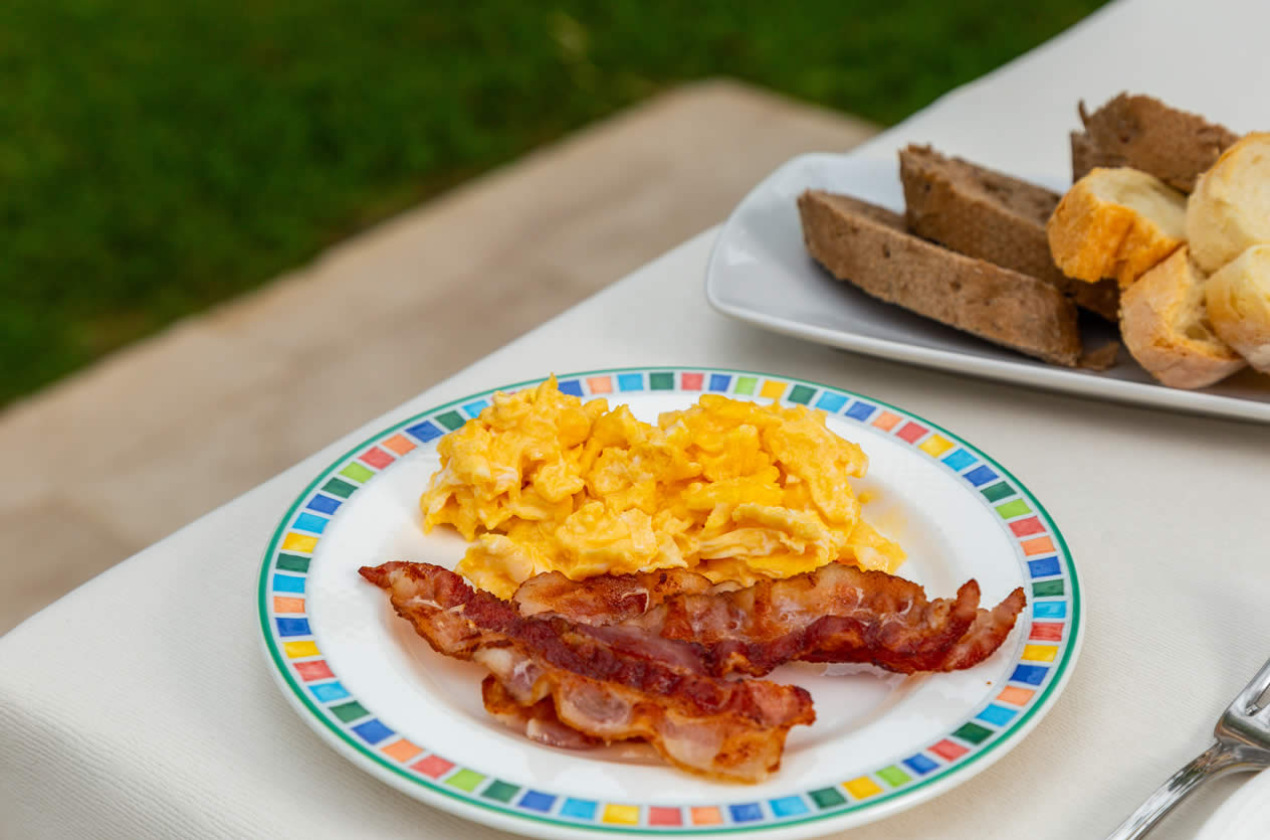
989 630
608 683
837 613
606 599
537 722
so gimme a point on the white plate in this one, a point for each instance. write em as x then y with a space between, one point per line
760 272
881 743
1244 816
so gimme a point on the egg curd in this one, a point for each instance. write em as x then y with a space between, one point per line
736 491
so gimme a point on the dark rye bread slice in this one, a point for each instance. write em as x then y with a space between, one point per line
1087 157
982 213
868 246
1144 133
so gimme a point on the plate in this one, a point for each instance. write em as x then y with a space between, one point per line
1244 816
376 692
759 272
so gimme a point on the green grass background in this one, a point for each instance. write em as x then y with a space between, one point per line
158 156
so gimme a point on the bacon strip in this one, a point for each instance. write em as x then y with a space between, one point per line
537 722
989 630
609 684
837 613
607 599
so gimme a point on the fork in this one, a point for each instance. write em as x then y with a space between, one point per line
1242 745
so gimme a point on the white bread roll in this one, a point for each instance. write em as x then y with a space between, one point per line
1116 223
1238 299
1164 324
1230 208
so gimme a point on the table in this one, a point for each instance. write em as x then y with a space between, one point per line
139 706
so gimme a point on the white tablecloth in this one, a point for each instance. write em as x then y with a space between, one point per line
140 706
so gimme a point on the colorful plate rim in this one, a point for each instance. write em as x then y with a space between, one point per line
1036 681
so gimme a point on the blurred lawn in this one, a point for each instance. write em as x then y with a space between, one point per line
156 157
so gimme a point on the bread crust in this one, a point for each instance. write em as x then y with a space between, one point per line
1091 237
1238 298
869 247
1144 133
991 216
1086 156
1154 314
1230 208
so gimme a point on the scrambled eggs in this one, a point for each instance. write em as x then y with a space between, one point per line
733 490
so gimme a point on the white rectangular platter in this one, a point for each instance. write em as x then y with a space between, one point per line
760 273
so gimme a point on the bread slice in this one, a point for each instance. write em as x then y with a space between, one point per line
1116 223
1238 298
868 246
1086 156
1164 323
982 213
1230 208
1144 133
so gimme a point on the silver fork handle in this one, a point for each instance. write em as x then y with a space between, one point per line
1217 760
